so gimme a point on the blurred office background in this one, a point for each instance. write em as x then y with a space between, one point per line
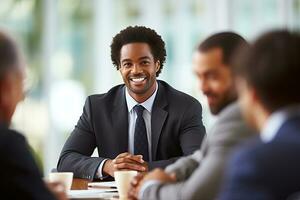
66 43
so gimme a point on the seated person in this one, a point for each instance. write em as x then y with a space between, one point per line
200 175
139 125
20 177
267 79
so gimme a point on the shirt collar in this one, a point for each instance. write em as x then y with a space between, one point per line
131 102
276 120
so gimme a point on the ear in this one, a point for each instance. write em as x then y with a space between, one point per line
6 89
253 94
157 65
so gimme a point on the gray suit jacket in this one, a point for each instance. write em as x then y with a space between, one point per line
200 174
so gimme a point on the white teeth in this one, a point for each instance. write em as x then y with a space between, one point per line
137 79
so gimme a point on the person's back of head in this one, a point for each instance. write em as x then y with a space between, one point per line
9 57
272 67
11 77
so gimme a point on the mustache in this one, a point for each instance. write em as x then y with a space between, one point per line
209 94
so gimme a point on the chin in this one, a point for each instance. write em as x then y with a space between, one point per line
138 91
214 111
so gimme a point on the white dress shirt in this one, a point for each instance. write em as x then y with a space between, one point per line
132 115
276 120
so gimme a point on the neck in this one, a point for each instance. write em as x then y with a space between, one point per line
261 118
4 120
140 98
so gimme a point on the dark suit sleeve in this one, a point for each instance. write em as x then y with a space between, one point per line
191 134
20 176
75 155
243 179
161 163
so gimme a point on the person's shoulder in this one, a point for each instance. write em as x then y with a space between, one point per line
176 95
10 138
9 133
109 96
230 128
249 150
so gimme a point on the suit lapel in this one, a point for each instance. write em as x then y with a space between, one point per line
120 121
158 117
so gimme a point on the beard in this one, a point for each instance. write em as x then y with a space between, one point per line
221 101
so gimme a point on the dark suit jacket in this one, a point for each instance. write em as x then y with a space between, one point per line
176 121
20 177
267 170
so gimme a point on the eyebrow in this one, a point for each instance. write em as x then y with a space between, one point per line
141 58
144 57
125 60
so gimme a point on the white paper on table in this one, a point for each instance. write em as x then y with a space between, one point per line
91 193
109 184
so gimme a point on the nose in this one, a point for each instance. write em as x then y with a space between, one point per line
136 69
203 86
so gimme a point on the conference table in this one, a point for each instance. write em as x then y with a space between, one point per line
80 184
81 187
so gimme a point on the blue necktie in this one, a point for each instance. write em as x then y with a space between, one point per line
140 134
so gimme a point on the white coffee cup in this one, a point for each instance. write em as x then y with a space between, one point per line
123 179
65 178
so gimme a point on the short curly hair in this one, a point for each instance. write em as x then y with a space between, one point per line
143 34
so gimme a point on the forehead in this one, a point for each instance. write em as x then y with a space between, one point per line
209 59
135 51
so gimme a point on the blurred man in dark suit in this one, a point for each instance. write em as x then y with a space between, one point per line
20 177
267 80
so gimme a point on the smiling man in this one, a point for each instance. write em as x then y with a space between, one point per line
139 125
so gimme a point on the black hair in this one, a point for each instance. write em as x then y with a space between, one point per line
228 42
9 57
133 34
271 65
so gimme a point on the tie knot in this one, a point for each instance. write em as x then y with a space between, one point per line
139 110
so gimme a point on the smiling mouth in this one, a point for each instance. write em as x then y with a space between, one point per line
137 80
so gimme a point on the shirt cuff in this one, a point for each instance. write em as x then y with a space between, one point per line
146 185
100 170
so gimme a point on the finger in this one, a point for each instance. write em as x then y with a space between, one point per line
131 193
136 179
129 166
125 160
137 158
56 187
173 176
123 155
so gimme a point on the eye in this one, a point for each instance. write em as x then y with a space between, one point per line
212 76
145 62
127 64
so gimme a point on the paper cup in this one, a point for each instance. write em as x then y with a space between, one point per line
65 178
123 179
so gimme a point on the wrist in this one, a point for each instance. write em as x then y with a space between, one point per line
108 168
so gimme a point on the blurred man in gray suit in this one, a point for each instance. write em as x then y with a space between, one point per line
199 176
